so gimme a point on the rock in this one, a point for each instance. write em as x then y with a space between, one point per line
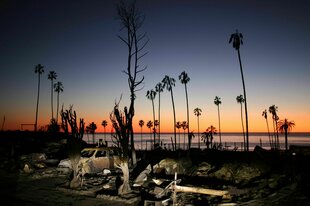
142 177
27 169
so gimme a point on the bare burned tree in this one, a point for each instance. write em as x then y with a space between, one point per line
74 143
132 20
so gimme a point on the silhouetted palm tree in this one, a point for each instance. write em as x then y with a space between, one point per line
92 129
150 125
141 124
217 102
168 83
151 94
273 110
237 39
159 88
178 126
285 127
58 88
184 78
51 76
211 131
264 114
197 112
38 70
184 127
104 123
240 100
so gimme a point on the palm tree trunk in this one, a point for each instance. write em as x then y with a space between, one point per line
174 116
187 107
37 109
219 116
52 99
198 139
242 124
141 139
57 107
154 122
286 144
245 103
270 142
158 117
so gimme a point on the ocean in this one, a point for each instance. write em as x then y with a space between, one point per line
230 141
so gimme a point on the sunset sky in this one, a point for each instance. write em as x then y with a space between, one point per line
78 40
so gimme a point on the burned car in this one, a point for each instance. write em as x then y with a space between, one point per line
93 160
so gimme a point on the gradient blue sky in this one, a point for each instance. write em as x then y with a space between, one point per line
78 40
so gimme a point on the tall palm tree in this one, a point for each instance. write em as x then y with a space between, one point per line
184 127
237 39
240 100
197 112
92 129
151 94
273 110
51 76
217 102
211 131
159 88
141 123
169 83
150 125
104 123
184 78
58 87
38 70
178 126
285 127
264 114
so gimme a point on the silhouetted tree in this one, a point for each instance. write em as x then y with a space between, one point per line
74 142
285 127
184 78
237 40
217 102
159 88
184 127
58 88
92 129
51 76
211 131
197 112
150 125
132 20
168 83
141 124
273 110
104 123
240 100
151 94
38 70
264 114
178 126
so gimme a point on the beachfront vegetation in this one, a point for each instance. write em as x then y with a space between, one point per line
217 102
240 100
237 39
58 87
285 127
39 69
51 76
151 94
197 112
159 89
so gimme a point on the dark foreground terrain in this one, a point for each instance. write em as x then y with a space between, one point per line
255 178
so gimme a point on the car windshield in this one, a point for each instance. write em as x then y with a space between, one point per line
87 153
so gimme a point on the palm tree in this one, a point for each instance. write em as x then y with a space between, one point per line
236 38
217 102
151 94
168 83
58 87
211 131
38 70
159 88
264 114
184 78
52 75
285 127
197 112
178 126
92 129
184 127
104 123
141 123
240 100
273 110
150 125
